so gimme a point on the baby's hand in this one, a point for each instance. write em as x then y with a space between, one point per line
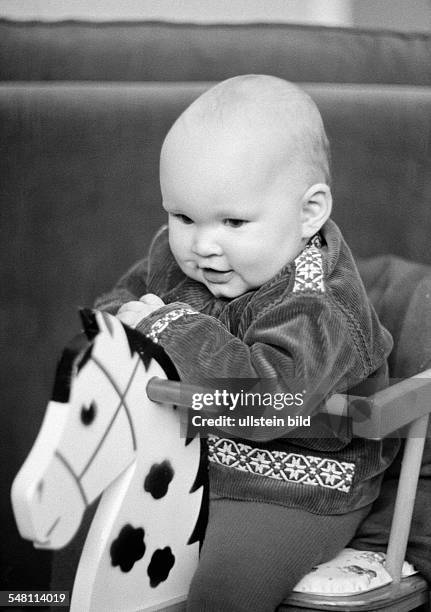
132 313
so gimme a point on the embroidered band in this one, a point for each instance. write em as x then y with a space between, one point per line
316 241
290 467
309 268
162 323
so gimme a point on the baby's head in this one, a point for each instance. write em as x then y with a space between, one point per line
244 175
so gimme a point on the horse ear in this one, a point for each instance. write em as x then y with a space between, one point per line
89 322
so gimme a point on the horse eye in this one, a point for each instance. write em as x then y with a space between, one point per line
88 413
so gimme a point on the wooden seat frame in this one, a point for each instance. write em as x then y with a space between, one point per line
403 407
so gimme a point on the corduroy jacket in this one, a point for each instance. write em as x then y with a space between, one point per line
309 330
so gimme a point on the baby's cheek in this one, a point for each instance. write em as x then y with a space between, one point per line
248 261
178 243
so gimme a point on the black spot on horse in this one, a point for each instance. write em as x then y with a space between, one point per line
128 547
88 413
158 479
161 564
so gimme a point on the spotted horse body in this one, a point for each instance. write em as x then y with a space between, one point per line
101 433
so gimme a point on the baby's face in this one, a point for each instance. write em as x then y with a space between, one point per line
234 219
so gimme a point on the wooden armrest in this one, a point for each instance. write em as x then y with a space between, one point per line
392 408
375 417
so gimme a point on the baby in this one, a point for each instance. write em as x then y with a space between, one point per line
252 280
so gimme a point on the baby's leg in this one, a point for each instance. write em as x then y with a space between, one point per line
254 553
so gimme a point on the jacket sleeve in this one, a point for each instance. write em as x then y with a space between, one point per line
131 286
304 344
134 283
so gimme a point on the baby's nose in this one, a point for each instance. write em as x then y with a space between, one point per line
205 244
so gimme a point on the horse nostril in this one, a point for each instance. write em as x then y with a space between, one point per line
39 489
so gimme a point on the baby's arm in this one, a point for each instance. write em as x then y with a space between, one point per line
129 288
126 299
303 346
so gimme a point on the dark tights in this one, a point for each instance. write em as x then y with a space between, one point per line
255 553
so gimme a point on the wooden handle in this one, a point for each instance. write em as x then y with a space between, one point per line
180 394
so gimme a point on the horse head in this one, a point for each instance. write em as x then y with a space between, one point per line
87 420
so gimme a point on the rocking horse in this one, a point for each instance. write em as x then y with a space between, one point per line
103 435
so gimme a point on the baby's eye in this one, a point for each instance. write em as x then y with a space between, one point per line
234 222
183 218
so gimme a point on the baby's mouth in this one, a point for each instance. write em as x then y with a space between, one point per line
216 276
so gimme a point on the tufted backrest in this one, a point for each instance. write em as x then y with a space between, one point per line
401 293
175 52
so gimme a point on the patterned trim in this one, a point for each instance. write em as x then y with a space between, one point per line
161 324
316 241
309 268
290 467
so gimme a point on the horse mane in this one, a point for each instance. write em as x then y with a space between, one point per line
68 363
138 342
147 350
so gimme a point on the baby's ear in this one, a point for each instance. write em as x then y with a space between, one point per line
315 208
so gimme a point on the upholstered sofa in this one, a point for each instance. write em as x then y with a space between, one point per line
84 109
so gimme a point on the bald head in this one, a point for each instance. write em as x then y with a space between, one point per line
243 177
279 117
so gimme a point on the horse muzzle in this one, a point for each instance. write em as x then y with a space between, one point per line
47 501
